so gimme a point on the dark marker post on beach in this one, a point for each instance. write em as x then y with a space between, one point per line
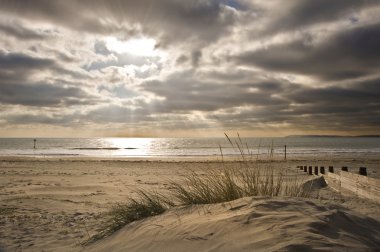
35 140
331 169
363 171
285 151
322 169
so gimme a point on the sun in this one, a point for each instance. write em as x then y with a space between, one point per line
136 46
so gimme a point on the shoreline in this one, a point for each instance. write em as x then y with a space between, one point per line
353 163
235 157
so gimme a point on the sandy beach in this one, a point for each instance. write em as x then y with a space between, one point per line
55 204
189 126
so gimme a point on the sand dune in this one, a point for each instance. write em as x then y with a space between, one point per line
250 224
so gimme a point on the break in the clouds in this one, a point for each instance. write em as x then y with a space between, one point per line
171 67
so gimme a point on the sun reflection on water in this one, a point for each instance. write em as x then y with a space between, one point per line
131 146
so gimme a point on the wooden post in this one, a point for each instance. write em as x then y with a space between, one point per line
331 169
316 170
285 151
363 171
305 168
322 170
35 140
310 170
345 168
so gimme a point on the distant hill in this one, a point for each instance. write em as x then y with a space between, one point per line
332 136
314 136
368 136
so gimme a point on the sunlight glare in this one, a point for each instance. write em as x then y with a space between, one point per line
131 146
136 46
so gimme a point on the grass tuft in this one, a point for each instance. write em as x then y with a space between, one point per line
249 179
214 186
235 183
146 205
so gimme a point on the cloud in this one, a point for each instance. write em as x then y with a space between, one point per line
18 31
18 61
116 114
222 64
196 57
20 66
172 20
347 54
18 84
42 95
119 90
299 14
15 67
120 60
100 47
355 106
182 92
25 119
57 13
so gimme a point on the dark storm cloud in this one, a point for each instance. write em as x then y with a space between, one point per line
16 67
117 114
298 14
17 85
347 54
245 89
273 101
19 61
54 119
64 13
196 57
182 59
16 30
41 95
174 20
360 97
182 92
354 107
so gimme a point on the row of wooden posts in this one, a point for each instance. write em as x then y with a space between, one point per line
321 169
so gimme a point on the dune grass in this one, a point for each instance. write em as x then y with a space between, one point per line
248 178
147 204
207 189
233 183
215 186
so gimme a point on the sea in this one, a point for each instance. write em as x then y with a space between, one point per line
191 147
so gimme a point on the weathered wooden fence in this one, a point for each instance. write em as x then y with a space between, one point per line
358 184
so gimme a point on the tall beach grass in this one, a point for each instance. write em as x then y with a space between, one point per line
147 204
246 179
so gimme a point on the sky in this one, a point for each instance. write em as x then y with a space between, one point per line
175 68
